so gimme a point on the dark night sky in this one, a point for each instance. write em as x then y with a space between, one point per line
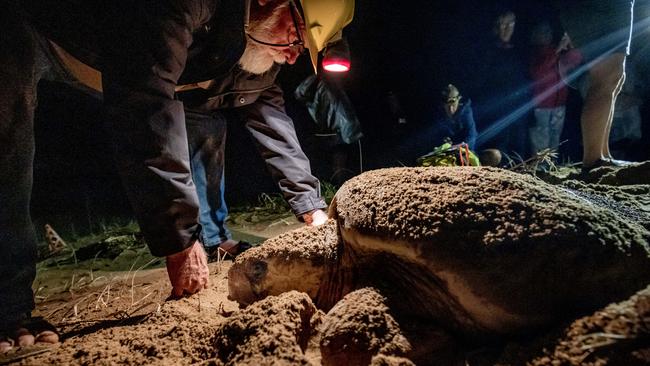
409 47
415 47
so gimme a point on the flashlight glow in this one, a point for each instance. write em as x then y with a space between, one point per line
336 64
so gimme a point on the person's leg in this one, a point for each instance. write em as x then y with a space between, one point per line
538 134
556 127
340 170
207 138
606 153
19 73
518 137
605 76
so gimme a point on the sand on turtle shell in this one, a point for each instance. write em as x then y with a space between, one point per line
494 206
527 247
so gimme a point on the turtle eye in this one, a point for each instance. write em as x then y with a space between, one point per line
258 271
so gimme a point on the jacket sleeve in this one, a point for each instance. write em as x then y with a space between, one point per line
275 136
470 125
147 126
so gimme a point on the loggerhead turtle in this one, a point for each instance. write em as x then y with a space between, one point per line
478 251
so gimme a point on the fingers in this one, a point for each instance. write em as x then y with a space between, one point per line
177 291
190 288
25 337
315 218
6 345
188 271
319 217
47 336
195 286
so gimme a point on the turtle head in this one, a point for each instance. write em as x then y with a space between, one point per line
246 280
297 260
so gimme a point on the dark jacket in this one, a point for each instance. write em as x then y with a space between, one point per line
182 41
459 128
330 108
423 140
259 102
145 49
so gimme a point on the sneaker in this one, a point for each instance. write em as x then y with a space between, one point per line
621 163
612 163
597 164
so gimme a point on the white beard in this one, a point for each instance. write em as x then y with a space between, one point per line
258 59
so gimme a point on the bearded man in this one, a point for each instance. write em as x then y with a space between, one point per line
158 59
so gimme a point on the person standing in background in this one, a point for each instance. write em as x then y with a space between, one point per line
549 90
501 91
602 31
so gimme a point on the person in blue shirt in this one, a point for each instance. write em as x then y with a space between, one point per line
454 119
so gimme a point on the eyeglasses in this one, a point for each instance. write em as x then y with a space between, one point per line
510 24
294 17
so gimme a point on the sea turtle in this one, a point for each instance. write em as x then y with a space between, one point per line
479 251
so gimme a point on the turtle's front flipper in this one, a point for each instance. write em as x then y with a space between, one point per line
360 327
247 339
363 329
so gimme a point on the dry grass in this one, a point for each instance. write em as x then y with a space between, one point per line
544 159
87 298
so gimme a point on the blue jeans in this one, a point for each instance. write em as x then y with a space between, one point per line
206 135
547 130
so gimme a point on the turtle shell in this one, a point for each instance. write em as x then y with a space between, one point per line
485 249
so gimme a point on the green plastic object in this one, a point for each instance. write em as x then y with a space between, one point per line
449 155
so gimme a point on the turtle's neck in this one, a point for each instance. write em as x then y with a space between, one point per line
339 277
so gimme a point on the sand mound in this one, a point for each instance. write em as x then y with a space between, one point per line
616 335
274 331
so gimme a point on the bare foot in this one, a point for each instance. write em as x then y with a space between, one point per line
29 332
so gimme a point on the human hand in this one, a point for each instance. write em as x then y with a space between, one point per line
315 218
564 44
188 270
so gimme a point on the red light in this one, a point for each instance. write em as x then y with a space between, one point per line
336 64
